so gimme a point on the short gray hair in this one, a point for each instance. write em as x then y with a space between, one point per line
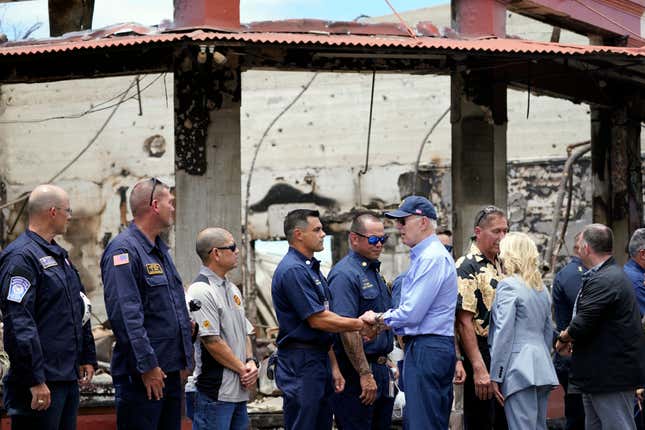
637 242
44 197
210 238
599 237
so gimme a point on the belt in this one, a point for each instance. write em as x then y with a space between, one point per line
410 337
303 345
378 359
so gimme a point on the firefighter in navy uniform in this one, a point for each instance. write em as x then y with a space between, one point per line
146 305
50 348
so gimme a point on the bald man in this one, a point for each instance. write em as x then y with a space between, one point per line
50 347
146 305
225 368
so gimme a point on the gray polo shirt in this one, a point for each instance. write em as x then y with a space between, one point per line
221 314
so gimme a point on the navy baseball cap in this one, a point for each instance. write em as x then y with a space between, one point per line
414 205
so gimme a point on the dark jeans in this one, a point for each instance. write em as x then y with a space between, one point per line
574 410
135 412
428 369
61 415
218 415
481 414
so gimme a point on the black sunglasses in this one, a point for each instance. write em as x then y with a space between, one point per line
373 240
155 181
482 214
231 248
401 220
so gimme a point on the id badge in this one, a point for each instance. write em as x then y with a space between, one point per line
326 304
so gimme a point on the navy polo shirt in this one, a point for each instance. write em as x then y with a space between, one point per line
566 285
42 314
146 305
357 286
299 290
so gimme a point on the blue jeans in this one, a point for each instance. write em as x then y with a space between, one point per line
219 415
135 411
428 369
190 404
61 415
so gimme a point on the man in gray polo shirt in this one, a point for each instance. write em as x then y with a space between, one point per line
225 368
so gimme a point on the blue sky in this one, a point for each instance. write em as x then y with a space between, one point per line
15 17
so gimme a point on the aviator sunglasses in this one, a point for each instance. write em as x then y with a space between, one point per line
373 240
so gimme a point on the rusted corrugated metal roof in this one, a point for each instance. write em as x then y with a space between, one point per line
130 35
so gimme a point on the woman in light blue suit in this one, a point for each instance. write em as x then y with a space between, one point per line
520 337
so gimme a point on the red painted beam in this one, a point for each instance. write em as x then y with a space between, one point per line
478 18
219 14
607 18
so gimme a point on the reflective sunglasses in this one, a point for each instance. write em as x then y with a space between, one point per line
373 240
231 248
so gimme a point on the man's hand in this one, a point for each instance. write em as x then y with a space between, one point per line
498 394
153 380
563 348
460 373
337 377
369 317
251 376
368 332
483 388
87 373
184 374
368 389
40 397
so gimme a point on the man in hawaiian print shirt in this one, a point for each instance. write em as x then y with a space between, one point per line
478 273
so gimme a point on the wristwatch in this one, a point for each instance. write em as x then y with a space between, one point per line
255 360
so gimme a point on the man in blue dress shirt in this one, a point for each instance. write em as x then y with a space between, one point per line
425 316
357 286
306 363
635 267
146 305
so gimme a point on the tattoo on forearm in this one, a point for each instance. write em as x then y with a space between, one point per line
211 339
353 345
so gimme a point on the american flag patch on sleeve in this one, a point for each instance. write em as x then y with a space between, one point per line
121 259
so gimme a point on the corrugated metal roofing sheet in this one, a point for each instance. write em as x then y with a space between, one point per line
493 45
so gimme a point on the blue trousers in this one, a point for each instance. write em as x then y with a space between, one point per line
135 412
350 413
304 377
526 409
218 415
428 369
61 414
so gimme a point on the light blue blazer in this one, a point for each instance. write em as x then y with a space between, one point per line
520 337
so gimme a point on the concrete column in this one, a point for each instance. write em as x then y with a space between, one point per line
478 117
207 145
616 170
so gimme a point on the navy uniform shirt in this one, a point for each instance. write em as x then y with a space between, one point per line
146 305
42 313
299 290
357 286
566 284
636 275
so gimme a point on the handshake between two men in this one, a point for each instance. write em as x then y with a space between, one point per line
372 325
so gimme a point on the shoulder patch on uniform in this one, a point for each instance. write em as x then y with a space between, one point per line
47 262
154 269
18 287
237 299
120 259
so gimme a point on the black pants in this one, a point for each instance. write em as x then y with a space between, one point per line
481 414
574 411
61 414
